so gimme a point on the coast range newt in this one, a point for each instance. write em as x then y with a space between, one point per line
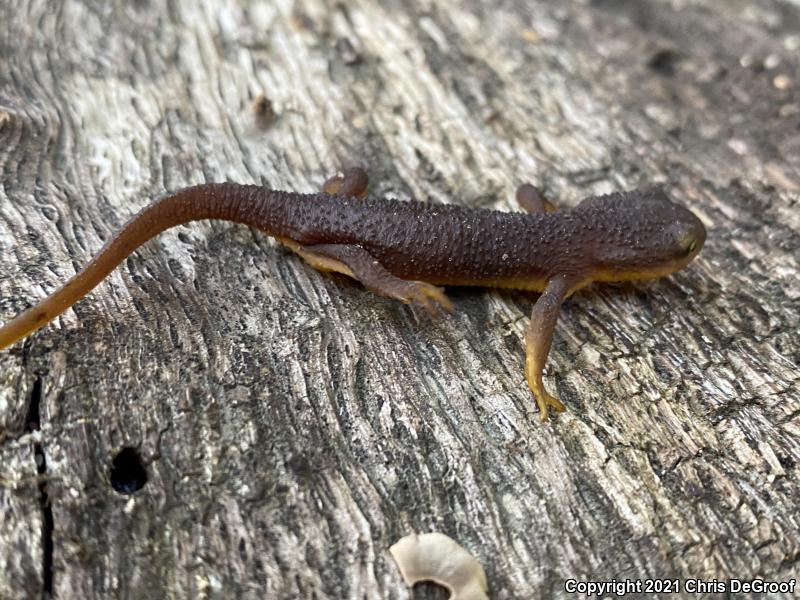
407 250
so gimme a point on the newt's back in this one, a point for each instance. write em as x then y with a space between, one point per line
440 243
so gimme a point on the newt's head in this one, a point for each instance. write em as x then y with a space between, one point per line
640 235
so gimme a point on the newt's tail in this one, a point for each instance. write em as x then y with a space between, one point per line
244 204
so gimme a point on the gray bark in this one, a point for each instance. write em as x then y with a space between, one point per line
292 425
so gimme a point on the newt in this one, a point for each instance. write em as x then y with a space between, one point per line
407 249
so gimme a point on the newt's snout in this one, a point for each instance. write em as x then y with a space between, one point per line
688 235
693 234
642 235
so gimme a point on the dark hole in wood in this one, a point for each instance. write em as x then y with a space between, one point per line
127 472
664 62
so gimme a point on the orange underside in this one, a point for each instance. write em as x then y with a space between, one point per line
510 283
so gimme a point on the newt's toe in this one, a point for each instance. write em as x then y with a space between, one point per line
428 297
544 401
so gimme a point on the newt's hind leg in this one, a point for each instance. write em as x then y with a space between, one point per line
531 199
353 183
359 264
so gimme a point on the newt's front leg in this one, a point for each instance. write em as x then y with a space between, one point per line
539 337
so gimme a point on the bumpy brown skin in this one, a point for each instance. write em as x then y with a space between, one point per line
405 249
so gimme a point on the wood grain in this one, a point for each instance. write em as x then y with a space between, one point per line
292 425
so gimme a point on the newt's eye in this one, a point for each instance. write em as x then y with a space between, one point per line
690 248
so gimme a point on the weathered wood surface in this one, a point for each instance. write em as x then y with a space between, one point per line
293 426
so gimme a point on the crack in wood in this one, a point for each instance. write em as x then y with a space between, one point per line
33 423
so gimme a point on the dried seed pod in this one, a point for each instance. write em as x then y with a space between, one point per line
438 558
